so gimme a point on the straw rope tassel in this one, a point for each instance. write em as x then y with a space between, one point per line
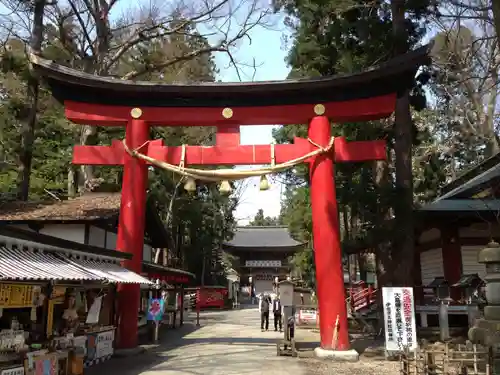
229 174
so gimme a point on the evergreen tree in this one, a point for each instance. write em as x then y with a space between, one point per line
197 223
343 37
264 221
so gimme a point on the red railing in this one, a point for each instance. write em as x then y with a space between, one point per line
361 296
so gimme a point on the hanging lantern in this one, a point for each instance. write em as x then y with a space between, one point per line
264 183
225 187
190 185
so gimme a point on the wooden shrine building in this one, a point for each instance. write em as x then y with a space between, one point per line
450 231
263 253
458 224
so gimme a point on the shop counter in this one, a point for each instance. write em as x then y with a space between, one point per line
12 370
99 346
42 362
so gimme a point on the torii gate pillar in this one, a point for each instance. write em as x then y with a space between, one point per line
326 244
131 231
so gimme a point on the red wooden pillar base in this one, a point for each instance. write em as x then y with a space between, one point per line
326 240
131 232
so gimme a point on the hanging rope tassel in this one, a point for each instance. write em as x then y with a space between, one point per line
229 174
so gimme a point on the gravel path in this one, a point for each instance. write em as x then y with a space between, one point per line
365 366
231 343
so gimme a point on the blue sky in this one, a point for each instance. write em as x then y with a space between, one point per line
267 51
271 66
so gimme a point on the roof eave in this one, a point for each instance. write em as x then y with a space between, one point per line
159 267
263 248
392 76
61 243
57 220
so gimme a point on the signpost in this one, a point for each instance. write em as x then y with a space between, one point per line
399 319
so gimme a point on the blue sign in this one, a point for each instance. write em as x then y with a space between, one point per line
155 309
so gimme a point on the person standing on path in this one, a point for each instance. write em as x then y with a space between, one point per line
277 313
264 312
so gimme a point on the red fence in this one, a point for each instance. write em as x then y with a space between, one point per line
361 296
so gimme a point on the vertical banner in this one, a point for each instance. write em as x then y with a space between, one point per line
399 319
155 309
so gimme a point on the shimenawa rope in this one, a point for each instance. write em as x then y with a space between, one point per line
227 174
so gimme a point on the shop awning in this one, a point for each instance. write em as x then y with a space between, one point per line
25 264
112 272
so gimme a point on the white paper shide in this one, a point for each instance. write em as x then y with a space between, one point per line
399 318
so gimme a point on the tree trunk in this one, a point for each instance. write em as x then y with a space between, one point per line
361 258
383 257
100 12
495 5
345 220
203 269
72 181
403 209
28 128
86 177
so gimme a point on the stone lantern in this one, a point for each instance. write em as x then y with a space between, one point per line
486 331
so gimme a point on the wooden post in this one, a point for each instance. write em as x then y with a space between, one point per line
197 314
181 318
431 364
156 331
446 359
475 357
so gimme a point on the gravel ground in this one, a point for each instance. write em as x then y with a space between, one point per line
372 359
365 366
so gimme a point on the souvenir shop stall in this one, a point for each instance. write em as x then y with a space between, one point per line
56 315
53 329
83 316
169 287
21 327
30 342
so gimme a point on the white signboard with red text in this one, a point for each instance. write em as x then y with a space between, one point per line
399 319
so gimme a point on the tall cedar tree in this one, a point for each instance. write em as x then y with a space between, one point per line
335 37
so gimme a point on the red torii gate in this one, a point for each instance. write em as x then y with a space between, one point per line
99 101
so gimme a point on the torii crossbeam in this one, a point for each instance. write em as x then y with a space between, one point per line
103 101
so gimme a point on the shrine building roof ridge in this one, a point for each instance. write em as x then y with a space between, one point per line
252 237
68 84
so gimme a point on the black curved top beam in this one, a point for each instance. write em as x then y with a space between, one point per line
392 76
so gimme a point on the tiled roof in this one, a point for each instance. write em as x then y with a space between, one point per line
87 207
262 237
